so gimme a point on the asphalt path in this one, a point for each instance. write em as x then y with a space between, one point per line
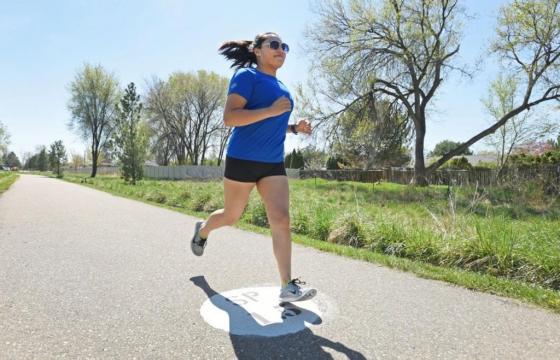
85 274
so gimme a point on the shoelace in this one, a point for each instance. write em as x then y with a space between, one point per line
297 282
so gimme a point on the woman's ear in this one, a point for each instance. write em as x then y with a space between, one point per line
252 49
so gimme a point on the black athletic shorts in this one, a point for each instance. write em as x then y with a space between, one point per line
251 171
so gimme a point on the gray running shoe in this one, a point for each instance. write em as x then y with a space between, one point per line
198 244
293 292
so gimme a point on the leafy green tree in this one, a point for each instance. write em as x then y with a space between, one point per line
38 161
335 162
94 95
313 157
11 160
443 147
43 160
130 137
57 157
332 163
294 160
4 140
31 163
372 133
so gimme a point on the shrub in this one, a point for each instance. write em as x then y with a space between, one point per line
348 230
156 196
256 214
300 222
200 200
321 223
213 204
458 164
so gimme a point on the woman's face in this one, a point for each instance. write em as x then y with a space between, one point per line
268 56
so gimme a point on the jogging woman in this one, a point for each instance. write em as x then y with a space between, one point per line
258 107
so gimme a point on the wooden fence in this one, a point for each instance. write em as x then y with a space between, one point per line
482 177
180 172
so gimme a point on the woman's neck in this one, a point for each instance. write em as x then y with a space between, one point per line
267 70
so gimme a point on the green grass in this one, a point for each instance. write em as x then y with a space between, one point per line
503 241
7 178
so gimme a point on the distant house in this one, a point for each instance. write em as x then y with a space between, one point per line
536 148
150 163
473 159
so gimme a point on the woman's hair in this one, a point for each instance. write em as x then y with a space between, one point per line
241 51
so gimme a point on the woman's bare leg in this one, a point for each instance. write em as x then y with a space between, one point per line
236 196
275 194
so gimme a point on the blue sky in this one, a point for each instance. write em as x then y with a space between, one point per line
44 43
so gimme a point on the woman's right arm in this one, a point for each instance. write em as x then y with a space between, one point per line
235 113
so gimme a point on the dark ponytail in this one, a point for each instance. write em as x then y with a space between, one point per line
241 51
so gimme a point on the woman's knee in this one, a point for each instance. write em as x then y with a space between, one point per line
279 218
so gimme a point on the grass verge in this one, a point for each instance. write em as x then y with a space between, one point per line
6 180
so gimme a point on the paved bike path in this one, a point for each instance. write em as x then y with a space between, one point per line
84 274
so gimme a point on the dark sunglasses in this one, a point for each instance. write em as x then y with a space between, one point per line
275 45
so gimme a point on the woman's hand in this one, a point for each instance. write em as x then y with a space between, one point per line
280 106
304 126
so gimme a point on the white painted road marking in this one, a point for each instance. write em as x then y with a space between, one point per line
256 311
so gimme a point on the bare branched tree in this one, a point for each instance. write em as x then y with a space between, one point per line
528 43
400 50
405 49
186 112
527 127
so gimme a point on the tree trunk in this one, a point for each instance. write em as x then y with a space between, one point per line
220 156
223 144
202 158
94 157
419 165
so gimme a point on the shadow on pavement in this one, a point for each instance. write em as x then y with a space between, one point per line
301 345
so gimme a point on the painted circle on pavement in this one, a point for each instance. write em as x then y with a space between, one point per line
256 311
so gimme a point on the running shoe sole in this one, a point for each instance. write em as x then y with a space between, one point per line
308 296
195 247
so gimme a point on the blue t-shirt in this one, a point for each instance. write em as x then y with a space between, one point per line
264 140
